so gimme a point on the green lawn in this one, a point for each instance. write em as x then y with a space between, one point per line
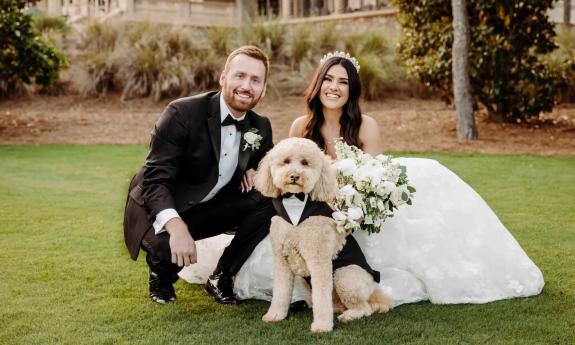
66 277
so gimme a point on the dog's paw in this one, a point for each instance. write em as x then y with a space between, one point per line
321 326
272 316
352 314
381 307
344 317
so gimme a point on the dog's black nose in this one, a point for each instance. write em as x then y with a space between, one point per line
294 178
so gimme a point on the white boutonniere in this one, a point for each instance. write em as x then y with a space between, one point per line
251 139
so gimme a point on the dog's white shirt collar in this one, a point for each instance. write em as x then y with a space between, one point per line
294 208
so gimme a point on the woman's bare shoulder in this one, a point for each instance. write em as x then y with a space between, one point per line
298 126
368 120
368 126
369 135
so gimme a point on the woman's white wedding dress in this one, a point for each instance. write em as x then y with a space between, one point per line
448 247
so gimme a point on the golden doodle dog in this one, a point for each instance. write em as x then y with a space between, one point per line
298 166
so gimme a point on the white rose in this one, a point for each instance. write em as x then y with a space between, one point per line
250 137
346 166
388 187
354 213
396 196
338 216
361 174
348 190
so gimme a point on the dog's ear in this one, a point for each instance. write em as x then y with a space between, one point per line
263 180
326 187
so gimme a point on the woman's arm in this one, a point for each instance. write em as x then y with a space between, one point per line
369 136
297 127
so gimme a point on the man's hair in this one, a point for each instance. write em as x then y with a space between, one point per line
251 51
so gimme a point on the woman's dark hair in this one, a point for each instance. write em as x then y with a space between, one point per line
350 120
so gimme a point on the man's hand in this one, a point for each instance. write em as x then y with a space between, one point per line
182 244
247 180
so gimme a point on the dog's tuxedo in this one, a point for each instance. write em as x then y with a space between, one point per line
182 168
295 211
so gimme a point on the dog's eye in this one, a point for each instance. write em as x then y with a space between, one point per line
286 161
304 162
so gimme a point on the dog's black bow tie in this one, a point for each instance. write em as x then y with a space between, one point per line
240 124
300 196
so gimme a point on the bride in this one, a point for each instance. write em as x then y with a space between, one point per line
448 247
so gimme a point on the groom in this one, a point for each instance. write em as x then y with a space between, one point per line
195 181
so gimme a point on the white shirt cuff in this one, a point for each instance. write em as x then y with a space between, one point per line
162 218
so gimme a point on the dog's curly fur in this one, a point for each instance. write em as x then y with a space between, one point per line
298 165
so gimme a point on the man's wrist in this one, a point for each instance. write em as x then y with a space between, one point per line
162 218
174 225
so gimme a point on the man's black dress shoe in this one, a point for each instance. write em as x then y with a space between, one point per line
161 290
297 306
220 286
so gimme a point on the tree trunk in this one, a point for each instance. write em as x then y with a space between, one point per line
466 129
567 13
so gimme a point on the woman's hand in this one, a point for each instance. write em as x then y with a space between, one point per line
247 181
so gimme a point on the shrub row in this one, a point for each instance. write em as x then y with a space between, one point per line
145 59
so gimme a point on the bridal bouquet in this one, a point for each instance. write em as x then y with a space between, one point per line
370 188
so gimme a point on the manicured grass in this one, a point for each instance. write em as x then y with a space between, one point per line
66 277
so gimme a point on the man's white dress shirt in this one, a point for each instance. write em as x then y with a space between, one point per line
229 152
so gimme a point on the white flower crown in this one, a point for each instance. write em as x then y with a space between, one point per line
341 55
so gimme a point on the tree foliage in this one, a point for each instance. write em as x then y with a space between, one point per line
508 40
24 57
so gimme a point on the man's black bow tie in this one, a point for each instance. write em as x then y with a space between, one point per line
300 196
240 124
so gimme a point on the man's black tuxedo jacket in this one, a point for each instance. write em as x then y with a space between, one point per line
182 165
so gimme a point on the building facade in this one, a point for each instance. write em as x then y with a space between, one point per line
203 12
